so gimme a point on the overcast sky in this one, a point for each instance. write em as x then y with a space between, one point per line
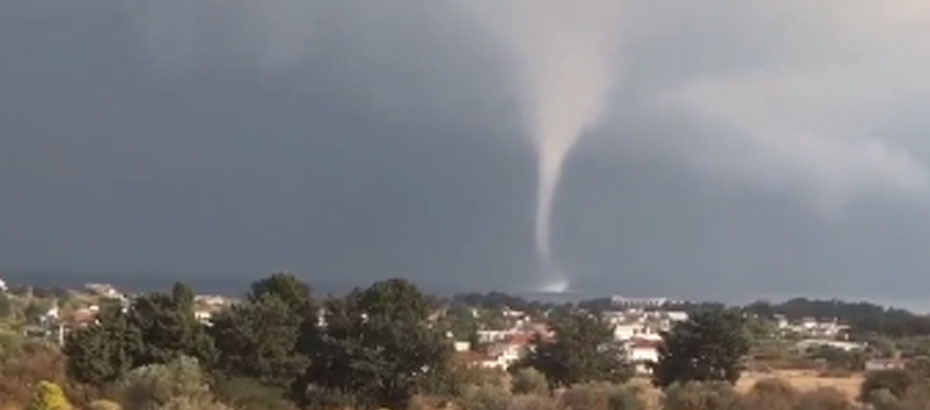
743 149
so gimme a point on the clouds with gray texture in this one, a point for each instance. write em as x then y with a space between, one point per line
766 148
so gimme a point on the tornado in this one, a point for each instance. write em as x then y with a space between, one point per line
563 58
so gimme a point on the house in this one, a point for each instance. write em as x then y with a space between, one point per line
629 331
83 317
885 364
512 314
836 344
642 353
203 316
676 316
492 336
104 290
50 316
461 346
3 287
502 355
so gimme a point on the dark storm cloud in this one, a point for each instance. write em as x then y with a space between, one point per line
354 140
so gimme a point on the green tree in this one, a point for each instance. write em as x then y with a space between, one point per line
377 345
168 328
258 339
294 292
156 328
583 350
48 396
102 352
707 347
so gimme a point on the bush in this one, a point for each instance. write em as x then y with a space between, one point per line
531 402
249 394
104 405
324 398
36 362
159 385
11 344
48 396
919 367
601 396
700 396
529 381
916 397
896 382
190 403
824 398
484 398
626 398
771 394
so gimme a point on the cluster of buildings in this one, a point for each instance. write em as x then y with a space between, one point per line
637 323
53 323
810 327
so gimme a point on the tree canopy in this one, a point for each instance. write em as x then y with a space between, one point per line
377 346
582 350
709 346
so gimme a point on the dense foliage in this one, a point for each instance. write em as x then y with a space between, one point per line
864 318
582 349
377 345
709 346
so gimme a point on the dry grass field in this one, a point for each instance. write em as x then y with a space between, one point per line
805 380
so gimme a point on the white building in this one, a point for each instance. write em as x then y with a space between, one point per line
203 316
3 287
104 289
637 330
642 354
462 346
491 336
676 316
836 344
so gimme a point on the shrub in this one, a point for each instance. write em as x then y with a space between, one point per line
700 396
421 402
104 405
824 398
484 398
48 396
191 403
916 397
249 394
316 397
625 398
35 362
529 381
601 396
919 366
531 402
11 344
159 384
896 382
770 394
